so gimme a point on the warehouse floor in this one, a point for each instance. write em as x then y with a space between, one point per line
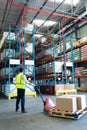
35 119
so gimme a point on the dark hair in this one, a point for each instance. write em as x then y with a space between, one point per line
21 69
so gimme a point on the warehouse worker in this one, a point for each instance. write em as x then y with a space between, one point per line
20 81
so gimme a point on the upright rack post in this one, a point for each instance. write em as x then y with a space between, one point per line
72 60
54 58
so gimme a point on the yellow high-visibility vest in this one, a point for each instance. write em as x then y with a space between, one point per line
20 82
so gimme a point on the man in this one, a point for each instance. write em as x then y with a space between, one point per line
20 81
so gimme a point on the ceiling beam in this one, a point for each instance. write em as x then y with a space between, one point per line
21 13
4 13
68 20
50 15
5 16
38 11
72 24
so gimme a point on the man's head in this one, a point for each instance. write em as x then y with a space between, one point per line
21 69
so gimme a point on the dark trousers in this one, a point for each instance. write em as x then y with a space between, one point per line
20 96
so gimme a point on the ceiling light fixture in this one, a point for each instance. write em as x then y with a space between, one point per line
40 22
74 2
38 35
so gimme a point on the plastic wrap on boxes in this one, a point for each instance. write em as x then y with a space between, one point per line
84 52
55 67
29 69
77 54
79 70
68 58
10 89
8 53
48 52
6 71
9 35
29 48
84 71
56 51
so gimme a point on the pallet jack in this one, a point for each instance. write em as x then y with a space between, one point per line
50 107
48 104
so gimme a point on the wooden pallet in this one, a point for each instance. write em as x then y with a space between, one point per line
57 92
82 89
10 95
67 114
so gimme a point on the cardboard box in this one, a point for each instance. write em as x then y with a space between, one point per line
83 39
69 86
64 86
59 86
64 103
81 101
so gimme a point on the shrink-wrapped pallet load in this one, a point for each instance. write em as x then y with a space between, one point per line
84 52
77 54
79 70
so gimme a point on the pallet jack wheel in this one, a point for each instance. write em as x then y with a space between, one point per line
76 115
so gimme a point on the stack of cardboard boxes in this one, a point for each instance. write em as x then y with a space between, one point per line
71 103
65 88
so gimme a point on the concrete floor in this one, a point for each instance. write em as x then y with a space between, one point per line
35 119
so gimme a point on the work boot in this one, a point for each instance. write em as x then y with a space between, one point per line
18 111
24 111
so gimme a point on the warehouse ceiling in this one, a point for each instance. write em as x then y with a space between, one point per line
46 15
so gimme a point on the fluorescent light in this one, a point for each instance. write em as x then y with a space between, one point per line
40 22
74 2
38 35
49 23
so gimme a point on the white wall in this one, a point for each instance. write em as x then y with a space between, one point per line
82 31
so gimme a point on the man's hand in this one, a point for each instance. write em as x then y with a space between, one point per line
32 84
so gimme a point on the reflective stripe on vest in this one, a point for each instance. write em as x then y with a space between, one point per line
20 82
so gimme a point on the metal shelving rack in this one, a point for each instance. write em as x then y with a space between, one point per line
47 79
15 59
31 54
67 65
51 79
9 65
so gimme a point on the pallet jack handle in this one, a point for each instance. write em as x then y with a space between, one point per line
36 88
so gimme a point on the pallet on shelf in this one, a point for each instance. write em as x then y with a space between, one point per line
57 92
82 89
10 95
